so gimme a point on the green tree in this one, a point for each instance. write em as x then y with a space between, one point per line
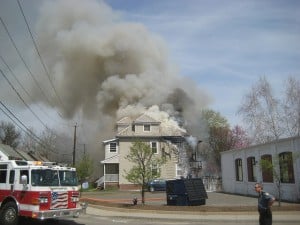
84 168
9 135
219 138
145 167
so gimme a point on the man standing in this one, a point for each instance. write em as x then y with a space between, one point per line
265 201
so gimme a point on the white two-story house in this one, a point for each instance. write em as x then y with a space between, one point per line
170 143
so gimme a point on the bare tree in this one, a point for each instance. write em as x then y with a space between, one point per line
263 112
291 107
47 146
9 135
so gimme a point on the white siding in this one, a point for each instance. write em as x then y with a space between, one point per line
290 191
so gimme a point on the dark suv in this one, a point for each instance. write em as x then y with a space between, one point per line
157 185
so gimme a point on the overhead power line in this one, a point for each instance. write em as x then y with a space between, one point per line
24 128
11 85
23 60
20 84
38 52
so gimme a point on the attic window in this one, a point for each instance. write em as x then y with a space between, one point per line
147 127
113 147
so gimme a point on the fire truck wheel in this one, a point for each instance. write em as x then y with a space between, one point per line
9 214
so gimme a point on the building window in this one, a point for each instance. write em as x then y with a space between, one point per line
133 127
286 167
267 168
239 169
112 168
179 171
155 170
113 147
251 169
154 147
147 127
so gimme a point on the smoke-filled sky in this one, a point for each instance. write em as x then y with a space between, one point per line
108 59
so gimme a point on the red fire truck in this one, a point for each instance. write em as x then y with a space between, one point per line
37 190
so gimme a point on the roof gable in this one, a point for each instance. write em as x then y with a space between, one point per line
125 120
145 119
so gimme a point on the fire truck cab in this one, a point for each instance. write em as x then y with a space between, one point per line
37 190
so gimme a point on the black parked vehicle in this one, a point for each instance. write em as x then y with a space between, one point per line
186 192
156 185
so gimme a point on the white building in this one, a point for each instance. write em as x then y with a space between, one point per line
241 169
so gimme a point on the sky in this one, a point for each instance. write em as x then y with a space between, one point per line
221 47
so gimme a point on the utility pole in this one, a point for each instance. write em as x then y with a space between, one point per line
74 146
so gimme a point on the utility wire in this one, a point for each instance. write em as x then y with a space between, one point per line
27 67
24 128
15 77
11 85
38 52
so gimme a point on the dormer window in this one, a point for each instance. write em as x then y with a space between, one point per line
113 147
147 127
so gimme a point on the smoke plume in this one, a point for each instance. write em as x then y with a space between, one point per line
104 68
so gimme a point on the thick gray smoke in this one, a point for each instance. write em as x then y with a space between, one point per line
104 69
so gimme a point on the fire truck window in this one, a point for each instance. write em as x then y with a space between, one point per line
11 176
3 173
24 172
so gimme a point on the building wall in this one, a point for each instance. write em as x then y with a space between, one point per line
290 191
168 170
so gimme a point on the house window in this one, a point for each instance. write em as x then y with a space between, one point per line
133 127
251 169
154 147
112 168
286 167
147 127
239 170
267 168
179 172
155 170
113 147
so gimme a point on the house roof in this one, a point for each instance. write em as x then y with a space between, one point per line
20 154
110 140
125 120
25 155
113 159
9 152
145 119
